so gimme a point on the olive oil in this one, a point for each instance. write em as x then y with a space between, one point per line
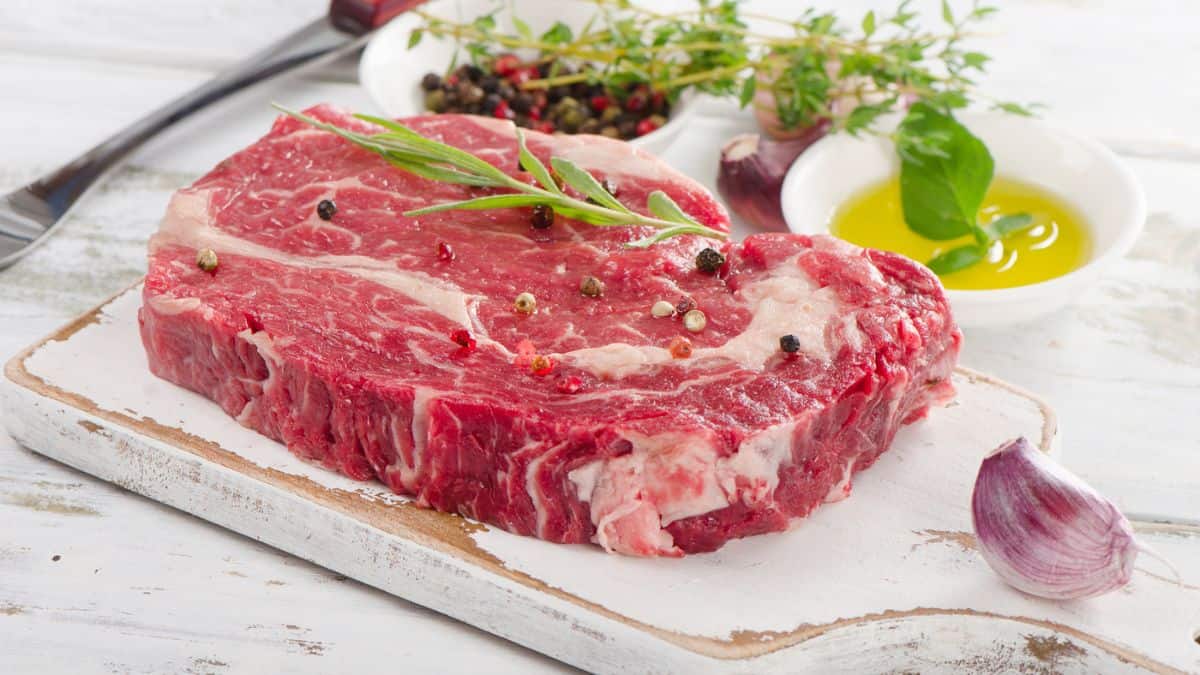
1056 243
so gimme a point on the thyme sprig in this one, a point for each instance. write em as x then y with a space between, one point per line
427 158
809 68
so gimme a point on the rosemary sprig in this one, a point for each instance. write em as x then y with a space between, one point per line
427 158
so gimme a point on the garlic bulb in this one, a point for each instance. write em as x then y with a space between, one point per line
1045 531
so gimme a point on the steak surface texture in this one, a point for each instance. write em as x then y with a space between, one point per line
576 423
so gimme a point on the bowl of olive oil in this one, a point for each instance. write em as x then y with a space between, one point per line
1082 210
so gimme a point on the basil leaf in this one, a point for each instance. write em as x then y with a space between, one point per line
944 173
1010 224
956 259
414 38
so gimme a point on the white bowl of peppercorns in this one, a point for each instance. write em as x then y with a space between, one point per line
408 76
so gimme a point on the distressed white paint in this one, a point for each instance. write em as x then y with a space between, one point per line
885 562
1121 368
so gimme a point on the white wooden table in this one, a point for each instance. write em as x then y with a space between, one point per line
94 579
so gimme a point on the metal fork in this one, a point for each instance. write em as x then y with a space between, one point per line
29 214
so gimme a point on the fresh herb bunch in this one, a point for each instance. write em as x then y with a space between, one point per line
425 157
808 69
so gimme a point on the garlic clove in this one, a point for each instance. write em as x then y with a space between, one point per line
751 173
1045 531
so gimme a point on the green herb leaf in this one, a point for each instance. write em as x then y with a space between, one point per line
956 259
482 204
1013 108
523 29
664 207
868 24
414 38
1010 224
485 23
944 173
558 34
578 178
947 14
747 93
534 165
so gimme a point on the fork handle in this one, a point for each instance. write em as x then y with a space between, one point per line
40 206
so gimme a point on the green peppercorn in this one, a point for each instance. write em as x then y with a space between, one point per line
709 260
435 101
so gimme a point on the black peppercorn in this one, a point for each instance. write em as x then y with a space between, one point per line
326 208
789 344
490 84
473 72
543 216
431 81
522 103
709 260
490 102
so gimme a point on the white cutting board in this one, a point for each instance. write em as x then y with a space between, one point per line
887 579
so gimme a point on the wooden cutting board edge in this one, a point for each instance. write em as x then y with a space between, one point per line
450 534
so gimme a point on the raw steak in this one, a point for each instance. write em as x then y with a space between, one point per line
334 337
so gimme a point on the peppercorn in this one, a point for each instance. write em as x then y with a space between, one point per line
610 114
470 93
646 126
435 101
431 81
473 72
505 64
590 126
502 111
525 303
680 347
206 259
695 321
610 132
789 344
662 309
684 305
490 102
444 252
591 287
490 84
463 339
541 365
600 103
709 260
636 102
522 103
325 209
543 217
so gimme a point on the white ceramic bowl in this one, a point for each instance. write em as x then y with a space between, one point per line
391 72
1079 170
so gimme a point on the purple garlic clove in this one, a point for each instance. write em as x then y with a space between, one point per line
1045 531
